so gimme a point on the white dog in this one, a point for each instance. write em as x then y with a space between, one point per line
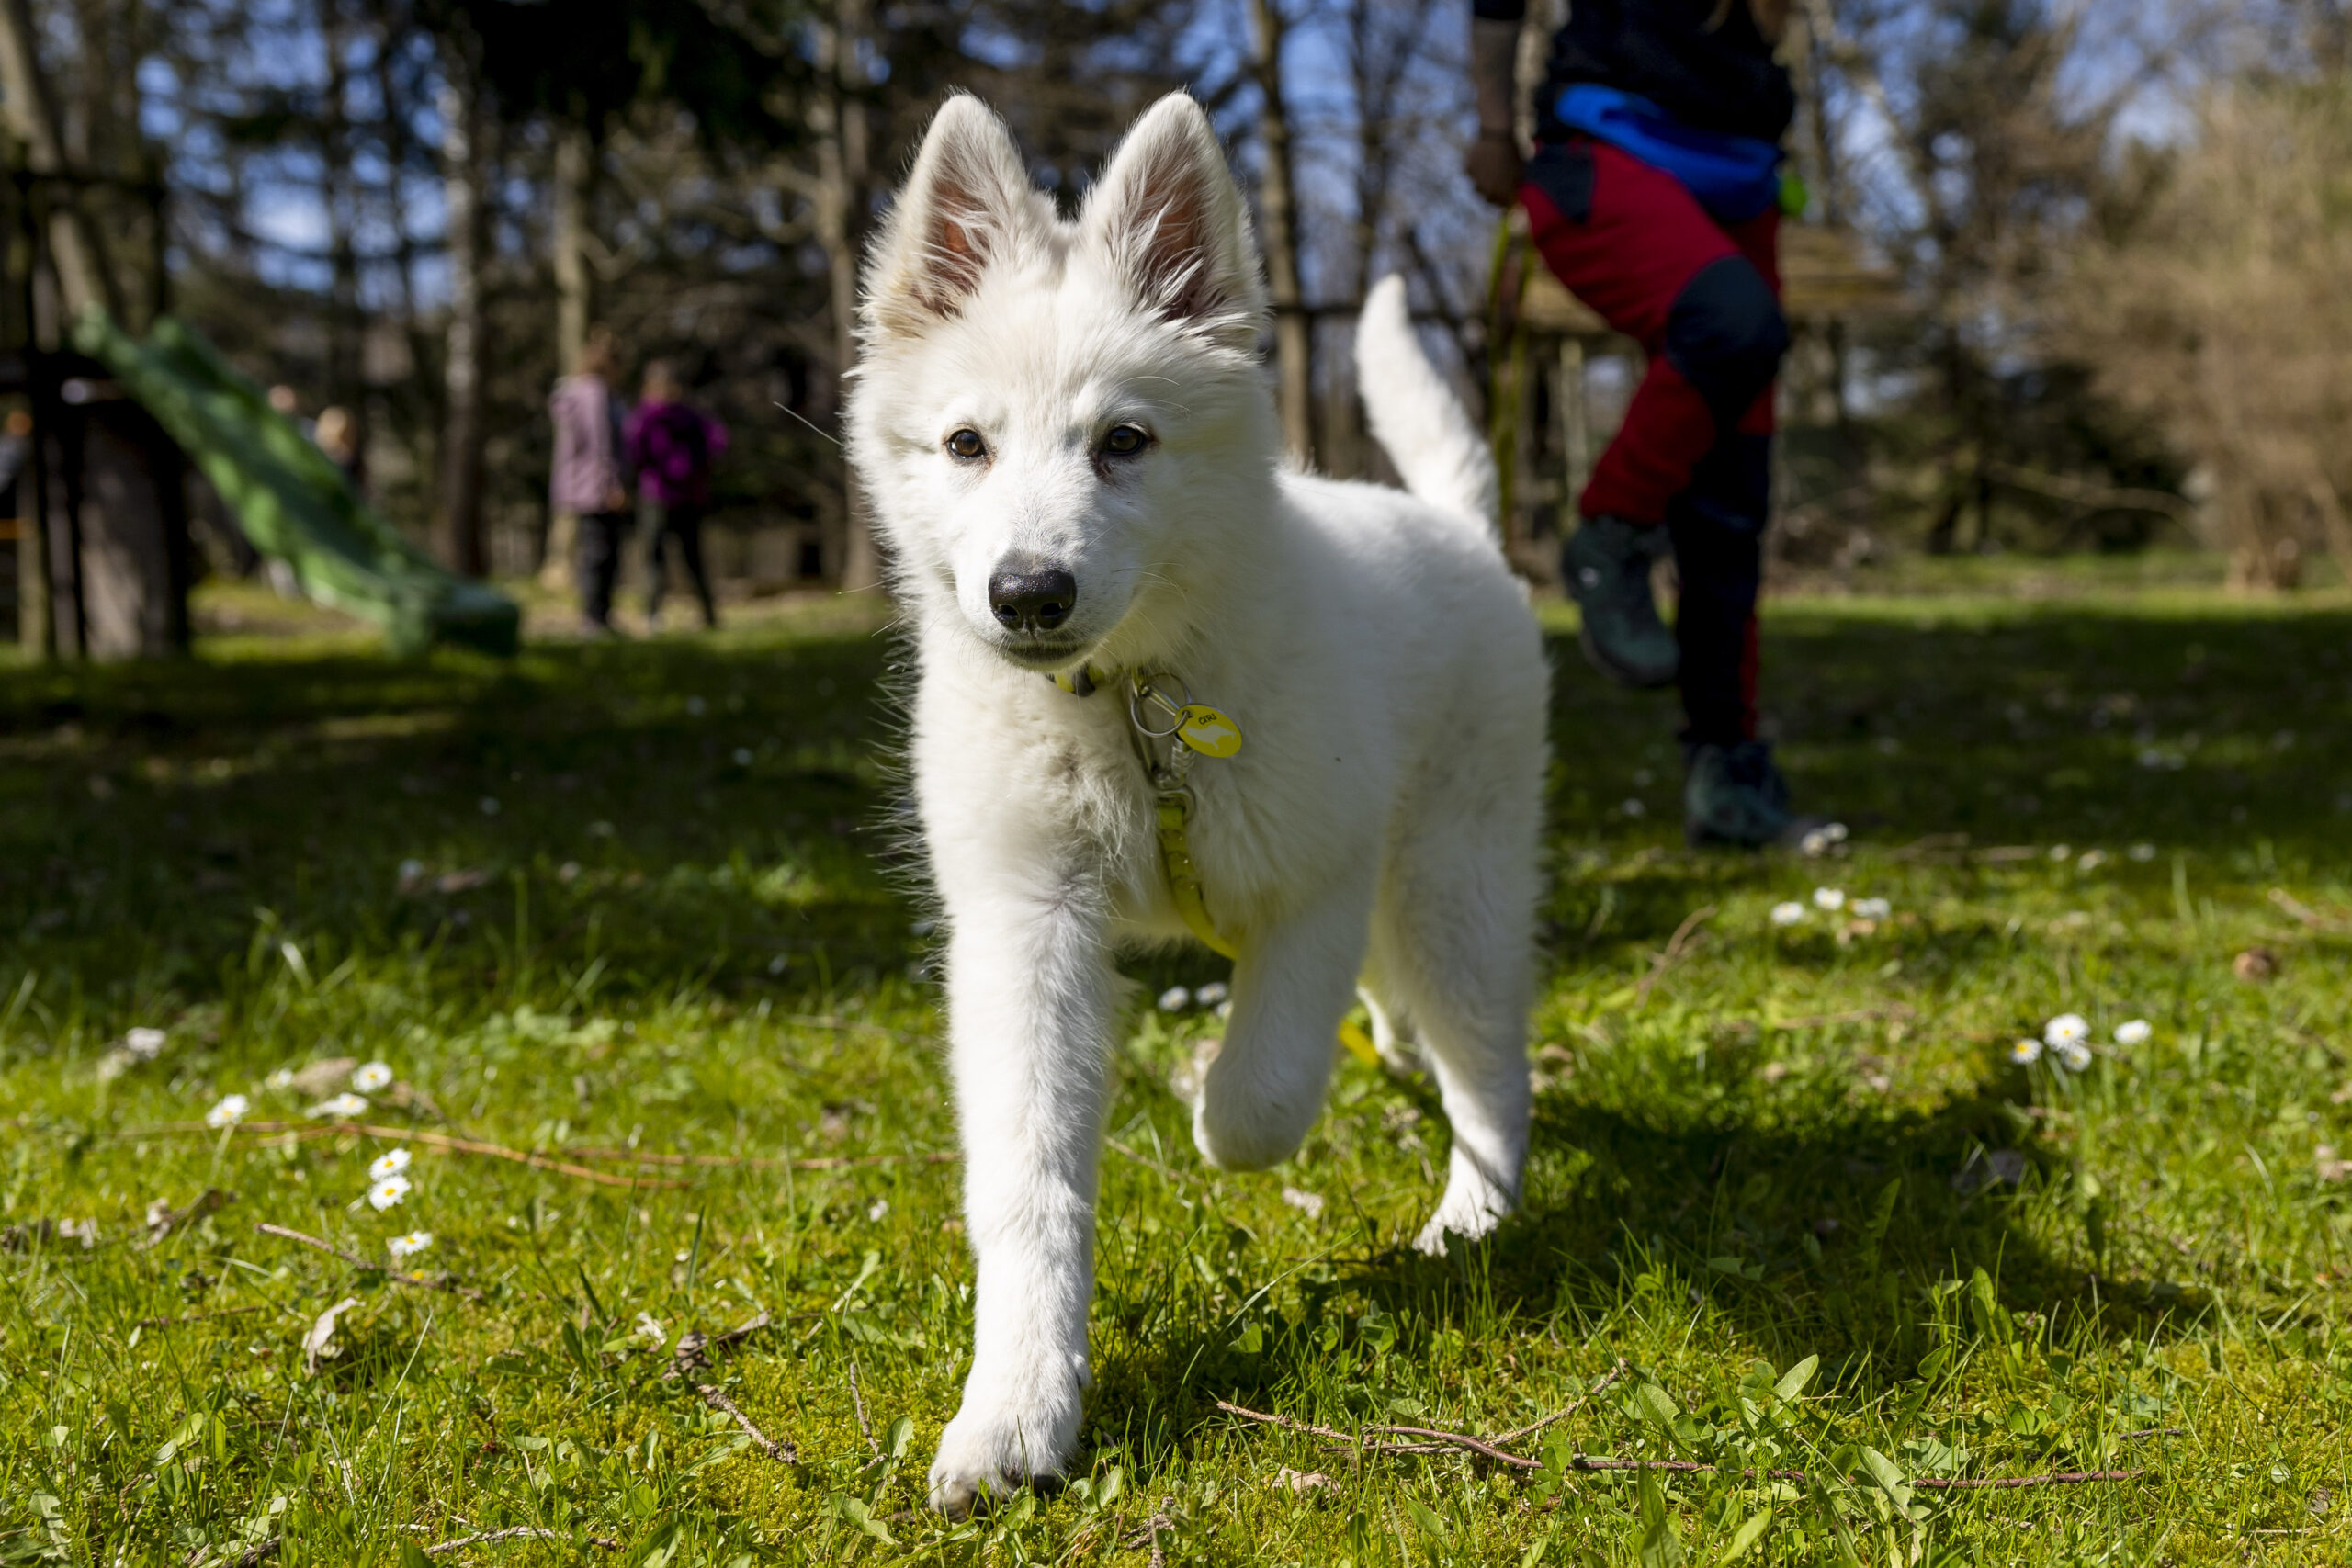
1071 447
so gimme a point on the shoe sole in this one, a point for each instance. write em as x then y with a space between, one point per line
1622 676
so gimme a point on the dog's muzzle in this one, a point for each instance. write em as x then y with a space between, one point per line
1027 594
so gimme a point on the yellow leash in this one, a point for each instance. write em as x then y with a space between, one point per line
1157 718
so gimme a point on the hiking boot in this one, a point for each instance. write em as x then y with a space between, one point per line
1733 795
1606 565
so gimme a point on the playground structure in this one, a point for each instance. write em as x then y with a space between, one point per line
101 539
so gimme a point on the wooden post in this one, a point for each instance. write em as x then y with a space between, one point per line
843 156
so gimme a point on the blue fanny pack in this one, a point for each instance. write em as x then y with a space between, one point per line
1734 177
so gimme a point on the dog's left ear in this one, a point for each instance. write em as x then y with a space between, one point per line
968 203
1169 218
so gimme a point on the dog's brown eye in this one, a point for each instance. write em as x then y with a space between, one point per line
966 443
1125 440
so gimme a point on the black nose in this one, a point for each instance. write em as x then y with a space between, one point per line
1032 595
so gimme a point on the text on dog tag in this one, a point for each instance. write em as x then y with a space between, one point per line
1207 731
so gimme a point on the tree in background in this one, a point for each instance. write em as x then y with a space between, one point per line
2219 309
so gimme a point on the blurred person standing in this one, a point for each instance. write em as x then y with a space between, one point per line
588 479
1656 195
672 445
337 435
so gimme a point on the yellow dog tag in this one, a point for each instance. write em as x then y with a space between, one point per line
1207 731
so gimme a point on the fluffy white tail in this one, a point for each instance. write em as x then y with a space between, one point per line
1415 415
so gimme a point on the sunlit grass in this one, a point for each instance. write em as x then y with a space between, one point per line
644 897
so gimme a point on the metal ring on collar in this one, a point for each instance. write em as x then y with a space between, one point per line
1146 688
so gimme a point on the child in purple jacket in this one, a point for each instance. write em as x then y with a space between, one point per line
672 446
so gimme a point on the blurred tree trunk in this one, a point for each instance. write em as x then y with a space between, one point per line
463 430
574 304
75 246
1278 213
844 160
344 327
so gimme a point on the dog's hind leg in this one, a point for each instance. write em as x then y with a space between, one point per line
1452 930
1265 1087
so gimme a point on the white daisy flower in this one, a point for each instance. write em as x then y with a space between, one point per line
2135 1032
230 1110
1828 897
648 1328
342 1107
2144 854
409 1246
144 1044
1175 999
880 1207
2066 1029
1788 913
1212 993
1633 808
372 1078
389 1164
1873 909
2074 1056
282 1078
388 1193
2025 1052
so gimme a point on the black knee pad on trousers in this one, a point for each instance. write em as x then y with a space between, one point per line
1726 334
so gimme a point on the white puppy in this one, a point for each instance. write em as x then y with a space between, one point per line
1070 449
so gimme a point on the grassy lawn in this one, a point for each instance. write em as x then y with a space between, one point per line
644 899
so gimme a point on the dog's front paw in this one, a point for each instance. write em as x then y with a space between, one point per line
999 1446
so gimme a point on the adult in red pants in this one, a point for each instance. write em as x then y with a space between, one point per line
1653 194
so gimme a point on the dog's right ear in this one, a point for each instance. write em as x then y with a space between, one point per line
967 202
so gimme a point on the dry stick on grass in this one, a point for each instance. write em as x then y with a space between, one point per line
1678 946
1574 1405
515 1532
441 1141
766 1162
423 1281
198 1317
696 1349
858 1399
784 1452
2302 913
1679 1466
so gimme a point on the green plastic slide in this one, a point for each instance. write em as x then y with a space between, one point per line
292 503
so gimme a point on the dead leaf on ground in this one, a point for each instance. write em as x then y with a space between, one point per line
324 1077
318 1343
163 1220
1303 1481
32 1233
2255 964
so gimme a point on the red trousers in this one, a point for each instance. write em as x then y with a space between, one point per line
1694 452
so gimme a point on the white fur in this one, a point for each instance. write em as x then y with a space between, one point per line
1381 822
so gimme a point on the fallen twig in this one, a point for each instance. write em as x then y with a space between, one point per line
2155 1432
198 1317
1827 1020
1440 1440
1678 947
767 1162
783 1453
1611 1376
2302 913
425 1281
515 1532
695 1348
260 1551
1160 1519
441 1141
163 1220
1464 1440
858 1401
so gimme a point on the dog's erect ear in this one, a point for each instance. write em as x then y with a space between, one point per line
967 202
1168 217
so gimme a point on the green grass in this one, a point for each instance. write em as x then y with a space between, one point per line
681 927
